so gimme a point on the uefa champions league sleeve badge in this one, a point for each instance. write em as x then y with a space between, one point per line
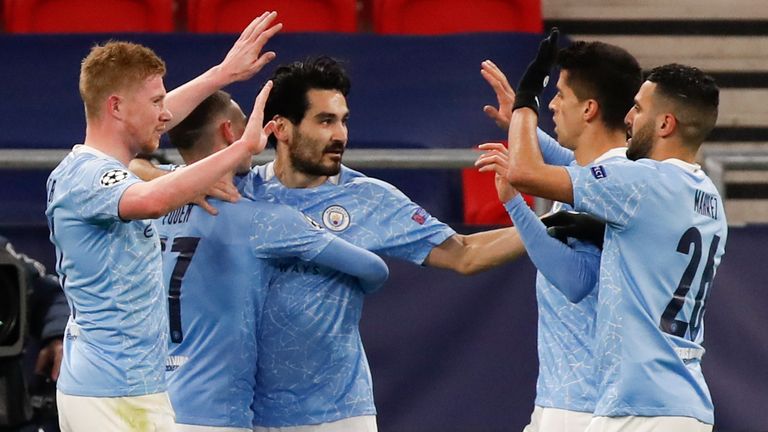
113 177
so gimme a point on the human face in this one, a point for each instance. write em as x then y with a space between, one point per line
567 113
145 114
641 124
317 144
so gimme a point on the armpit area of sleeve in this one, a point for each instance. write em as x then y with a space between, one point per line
576 173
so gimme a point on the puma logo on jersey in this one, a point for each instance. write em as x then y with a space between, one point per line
175 362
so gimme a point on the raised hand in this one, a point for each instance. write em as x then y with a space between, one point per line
505 94
245 58
255 135
495 159
536 76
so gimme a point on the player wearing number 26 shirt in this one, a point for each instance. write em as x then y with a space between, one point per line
218 269
665 235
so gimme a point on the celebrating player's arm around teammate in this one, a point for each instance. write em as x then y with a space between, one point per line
108 251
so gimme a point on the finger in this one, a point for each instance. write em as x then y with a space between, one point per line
253 129
270 128
493 81
491 112
260 28
493 147
264 59
265 36
250 29
259 25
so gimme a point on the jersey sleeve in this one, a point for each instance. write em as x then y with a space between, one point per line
572 270
97 197
552 152
403 228
370 270
613 191
279 231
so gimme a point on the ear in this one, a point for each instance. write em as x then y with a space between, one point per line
225 128
668 125
283 128
113 106
591 110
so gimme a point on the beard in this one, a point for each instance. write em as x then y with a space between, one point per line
303 158
641 143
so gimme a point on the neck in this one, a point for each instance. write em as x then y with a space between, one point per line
292 178
672 149
596 141
107 141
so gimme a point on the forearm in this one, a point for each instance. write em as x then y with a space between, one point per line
145 170
470 254
183 99
150 200
572 272
527 171
345 257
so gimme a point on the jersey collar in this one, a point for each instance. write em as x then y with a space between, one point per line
614 152
693 168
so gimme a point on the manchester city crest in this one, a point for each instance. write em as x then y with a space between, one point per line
336 218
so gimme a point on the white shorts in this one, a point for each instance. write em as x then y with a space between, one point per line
557 420
351 424
197 428
130 413
647 424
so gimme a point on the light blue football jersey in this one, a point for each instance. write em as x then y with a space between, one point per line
217 272
312 367
115 343
665 235
566 329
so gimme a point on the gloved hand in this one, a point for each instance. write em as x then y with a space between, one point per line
536 76
580 226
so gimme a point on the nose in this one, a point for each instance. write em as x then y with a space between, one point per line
165 115
552 105
340 132
629 118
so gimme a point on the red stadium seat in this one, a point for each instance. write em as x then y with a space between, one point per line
430 17
88 16
481 203
231 16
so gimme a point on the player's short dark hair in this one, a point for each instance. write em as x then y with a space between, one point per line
196 125
695 98
603 72
291 83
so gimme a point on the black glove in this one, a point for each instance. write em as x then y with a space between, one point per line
580 226
536 76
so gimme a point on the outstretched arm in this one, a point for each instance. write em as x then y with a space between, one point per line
345 257
573 272
470 254
242 61
150 200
